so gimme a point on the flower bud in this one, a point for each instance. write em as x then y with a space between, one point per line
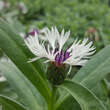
56 74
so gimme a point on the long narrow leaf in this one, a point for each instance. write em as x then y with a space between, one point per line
9 104
26 92
13 34
93 72
84 97
15 53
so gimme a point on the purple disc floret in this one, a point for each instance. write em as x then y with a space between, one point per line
61 57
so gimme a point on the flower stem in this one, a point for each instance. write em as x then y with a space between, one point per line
53 99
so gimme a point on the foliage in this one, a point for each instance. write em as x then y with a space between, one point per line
27 87
78 16
31 86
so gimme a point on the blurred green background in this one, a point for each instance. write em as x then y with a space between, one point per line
85 18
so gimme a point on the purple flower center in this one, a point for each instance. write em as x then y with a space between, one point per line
61 57
32 33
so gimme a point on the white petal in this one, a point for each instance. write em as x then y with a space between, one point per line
69 70
63 38
82 62
51 35
35 47
80 52
46 61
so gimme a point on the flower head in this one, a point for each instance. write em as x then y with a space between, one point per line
49 44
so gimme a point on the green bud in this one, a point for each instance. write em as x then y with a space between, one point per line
56 74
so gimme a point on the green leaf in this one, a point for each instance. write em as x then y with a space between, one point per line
17 55
86 99
13 33
25 90
101 91
6 90
95 70
3 83
9 104
67 99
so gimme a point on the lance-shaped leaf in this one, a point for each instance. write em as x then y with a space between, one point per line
9 104
14 34
95 69
67 99
26 91
93 72
86 99
14 52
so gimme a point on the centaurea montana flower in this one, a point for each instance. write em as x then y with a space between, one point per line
49 44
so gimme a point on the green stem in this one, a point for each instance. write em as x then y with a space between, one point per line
53 99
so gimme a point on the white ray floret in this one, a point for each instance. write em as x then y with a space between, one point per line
80 52
63 38
77 54
51 35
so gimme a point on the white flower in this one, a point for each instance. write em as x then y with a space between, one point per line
49 44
